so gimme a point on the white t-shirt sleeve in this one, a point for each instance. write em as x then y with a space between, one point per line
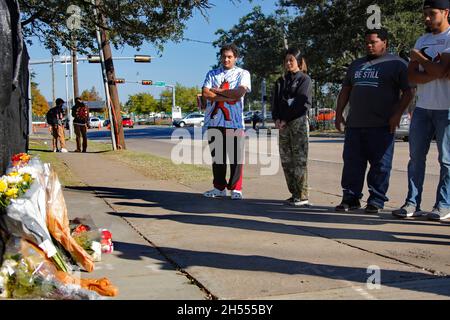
246 81
208 81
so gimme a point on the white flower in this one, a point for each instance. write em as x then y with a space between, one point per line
13 179
30 170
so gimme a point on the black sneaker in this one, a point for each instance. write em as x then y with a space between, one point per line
371 208
348 206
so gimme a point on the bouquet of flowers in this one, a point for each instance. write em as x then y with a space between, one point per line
20 160
26 273
12 186
88 237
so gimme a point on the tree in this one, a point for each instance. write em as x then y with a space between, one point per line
141 103
90 95
328 52
40 104
128 22
185 97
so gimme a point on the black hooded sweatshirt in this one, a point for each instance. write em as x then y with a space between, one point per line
292 96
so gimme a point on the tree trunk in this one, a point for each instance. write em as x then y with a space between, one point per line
110 73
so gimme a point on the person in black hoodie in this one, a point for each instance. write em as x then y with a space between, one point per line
290 105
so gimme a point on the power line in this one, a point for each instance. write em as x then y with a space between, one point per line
199 41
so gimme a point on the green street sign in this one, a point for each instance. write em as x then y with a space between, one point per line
159 84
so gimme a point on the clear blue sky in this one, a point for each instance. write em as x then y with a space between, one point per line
185 62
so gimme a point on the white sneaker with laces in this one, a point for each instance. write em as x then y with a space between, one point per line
214 193
236 195
64 150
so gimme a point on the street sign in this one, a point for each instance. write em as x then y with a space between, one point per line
159 84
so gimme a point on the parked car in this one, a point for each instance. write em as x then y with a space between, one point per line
127 123
248 116
403 131
95 122
191 119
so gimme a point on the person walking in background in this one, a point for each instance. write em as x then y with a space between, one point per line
292 99
377 90
429 68
55 117
80 114
224 89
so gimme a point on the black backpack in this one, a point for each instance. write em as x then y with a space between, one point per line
52 117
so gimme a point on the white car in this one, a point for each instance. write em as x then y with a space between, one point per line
95 122
193 119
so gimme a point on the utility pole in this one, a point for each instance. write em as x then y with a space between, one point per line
110 73
53 82
76 91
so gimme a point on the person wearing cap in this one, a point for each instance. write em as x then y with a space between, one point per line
429 67
377 90
55 117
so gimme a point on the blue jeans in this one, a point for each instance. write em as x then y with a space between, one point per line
424 125
367 145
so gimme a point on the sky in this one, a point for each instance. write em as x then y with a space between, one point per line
186 62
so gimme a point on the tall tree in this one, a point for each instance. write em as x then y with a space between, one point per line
331 32
141 103
90 95
40 104
185 97
128 22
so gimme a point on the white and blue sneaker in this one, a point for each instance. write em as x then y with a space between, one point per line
215 193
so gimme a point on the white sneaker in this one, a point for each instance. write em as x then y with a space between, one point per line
215 193
55 150
64 150
236 195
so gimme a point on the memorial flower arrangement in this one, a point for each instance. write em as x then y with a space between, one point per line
12 186
41 249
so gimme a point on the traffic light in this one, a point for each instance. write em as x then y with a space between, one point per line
147 82
141 58
93 58
119 80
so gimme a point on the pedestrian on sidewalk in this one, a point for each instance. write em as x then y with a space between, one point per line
55 119
292 99
377 90
429 69
224 89
80 113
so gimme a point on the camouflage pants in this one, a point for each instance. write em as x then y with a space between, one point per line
293 141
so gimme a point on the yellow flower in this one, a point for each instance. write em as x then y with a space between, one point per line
12 193
27 178
3 186
13 174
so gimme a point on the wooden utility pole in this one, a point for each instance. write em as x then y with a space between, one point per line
110 73
76 91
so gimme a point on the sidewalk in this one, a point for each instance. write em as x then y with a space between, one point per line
258 248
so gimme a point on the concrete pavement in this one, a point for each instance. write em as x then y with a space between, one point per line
258 248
